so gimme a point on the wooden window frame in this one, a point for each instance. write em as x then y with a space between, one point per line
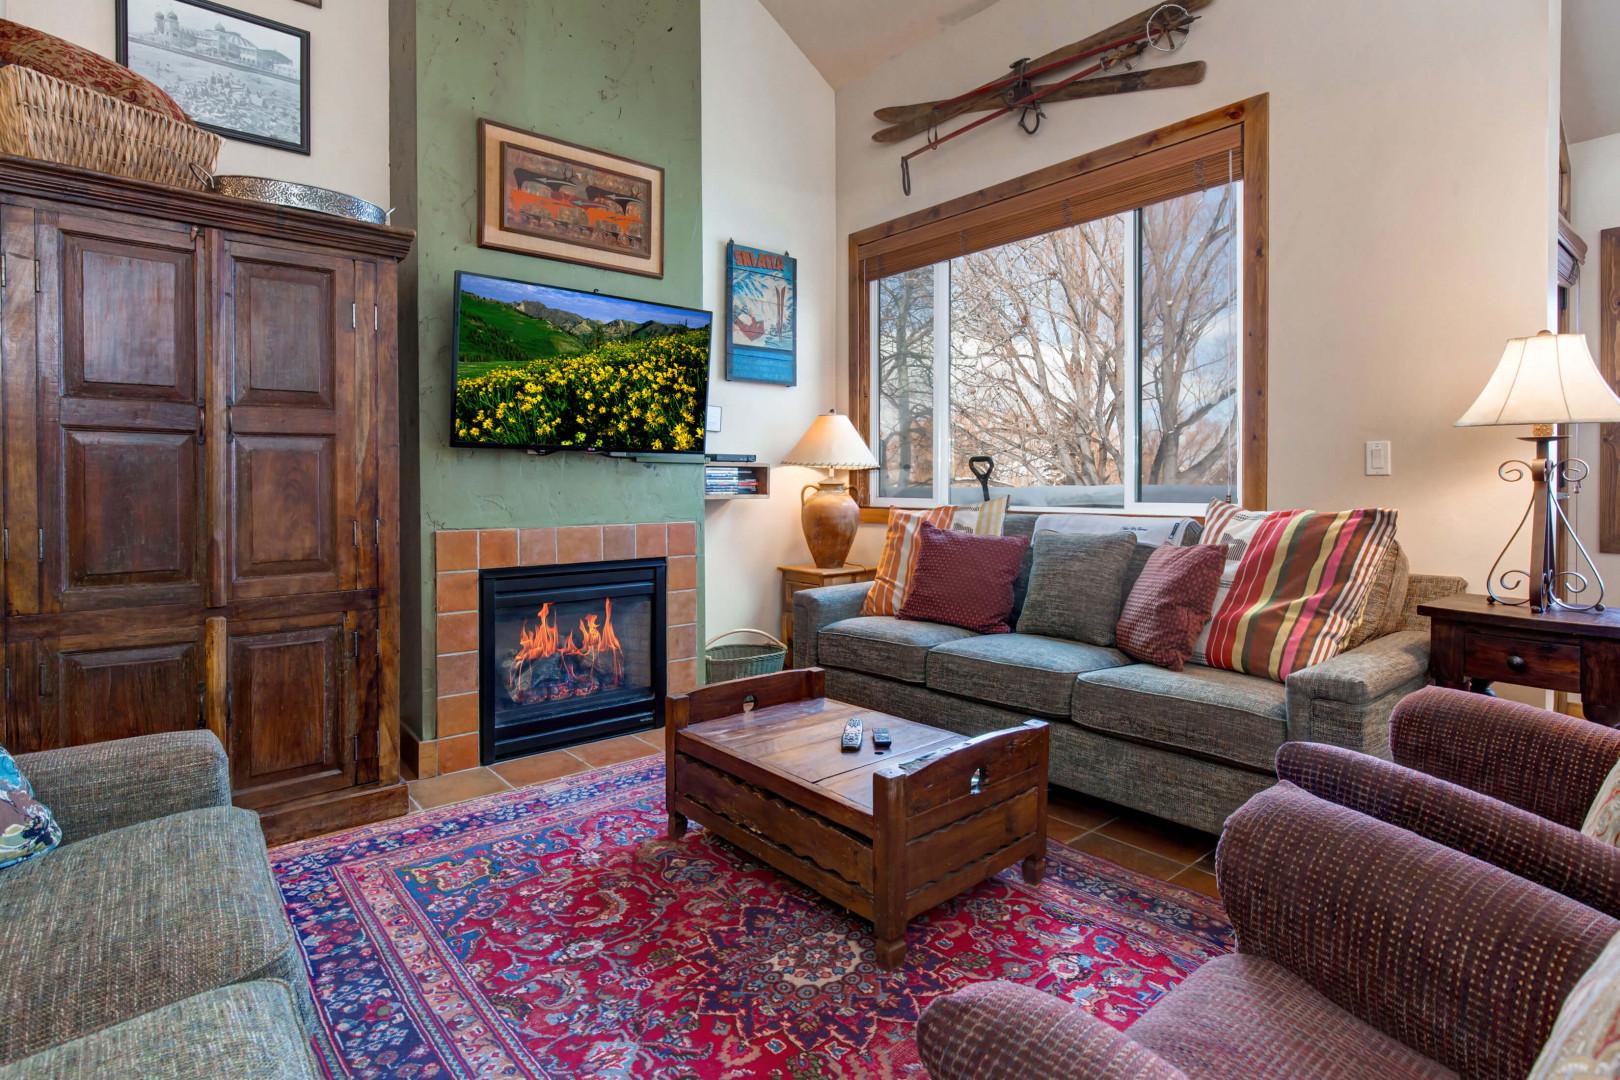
1091 174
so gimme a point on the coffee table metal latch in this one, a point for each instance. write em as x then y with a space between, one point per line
976 782
749 702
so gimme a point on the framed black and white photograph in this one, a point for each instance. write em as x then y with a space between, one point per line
244 77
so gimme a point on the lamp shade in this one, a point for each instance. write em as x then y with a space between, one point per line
832 443
1546 379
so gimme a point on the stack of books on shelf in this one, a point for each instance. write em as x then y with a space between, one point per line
730 480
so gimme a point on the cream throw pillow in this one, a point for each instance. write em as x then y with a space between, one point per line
1603 820
1585 1039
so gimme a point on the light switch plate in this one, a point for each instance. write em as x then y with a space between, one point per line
1378 458
711 422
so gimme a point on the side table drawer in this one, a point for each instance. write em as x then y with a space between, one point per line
1549 665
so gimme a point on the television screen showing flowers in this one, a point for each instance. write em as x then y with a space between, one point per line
545 368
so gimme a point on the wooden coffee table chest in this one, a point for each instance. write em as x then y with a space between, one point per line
886 836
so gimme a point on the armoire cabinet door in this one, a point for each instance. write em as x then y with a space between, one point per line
120 421
295 425
298 699
89 688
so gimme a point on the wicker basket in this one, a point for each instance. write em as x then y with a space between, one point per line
54 120
726 662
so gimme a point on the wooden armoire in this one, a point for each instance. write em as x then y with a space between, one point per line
201 484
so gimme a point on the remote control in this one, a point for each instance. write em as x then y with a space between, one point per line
881 740
852 735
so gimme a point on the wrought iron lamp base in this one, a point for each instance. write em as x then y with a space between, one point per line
1547 582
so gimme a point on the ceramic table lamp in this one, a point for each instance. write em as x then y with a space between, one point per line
1541 381
829 516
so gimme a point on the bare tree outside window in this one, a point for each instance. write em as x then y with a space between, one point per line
1037 359
1049 336
906 384
1189 347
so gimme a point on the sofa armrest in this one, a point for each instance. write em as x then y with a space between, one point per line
1426 944
1541 761
1580 867
817 608
104 786
1004 1031
1346 700
1420 590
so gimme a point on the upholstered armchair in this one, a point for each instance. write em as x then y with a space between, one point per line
1363 950
1504 782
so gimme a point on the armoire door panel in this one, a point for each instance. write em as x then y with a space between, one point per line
290 708
285 509
132 508
20 335
137 339
292 496
120 391
92 689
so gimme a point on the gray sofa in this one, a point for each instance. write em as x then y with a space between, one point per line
152 942
1190 746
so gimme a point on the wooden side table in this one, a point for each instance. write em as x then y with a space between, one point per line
1473 643
795 578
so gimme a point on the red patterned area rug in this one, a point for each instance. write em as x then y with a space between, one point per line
554 932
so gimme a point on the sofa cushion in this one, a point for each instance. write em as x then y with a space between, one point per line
245 1030
134 919
1240 719
1021 671
1076 586
964 580
884 645
1243 1016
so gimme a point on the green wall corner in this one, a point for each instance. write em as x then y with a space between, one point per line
621 76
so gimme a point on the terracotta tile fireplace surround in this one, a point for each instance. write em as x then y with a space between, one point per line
459 554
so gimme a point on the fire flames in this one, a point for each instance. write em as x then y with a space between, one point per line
549 667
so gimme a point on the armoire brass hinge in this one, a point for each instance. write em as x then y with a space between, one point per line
354 316
42 545
5 545
376 319
4 273
36 275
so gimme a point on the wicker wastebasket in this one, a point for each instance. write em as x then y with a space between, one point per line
725 662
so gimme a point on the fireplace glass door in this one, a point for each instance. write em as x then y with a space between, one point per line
569 653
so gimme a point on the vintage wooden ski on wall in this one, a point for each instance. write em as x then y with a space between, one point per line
1162 28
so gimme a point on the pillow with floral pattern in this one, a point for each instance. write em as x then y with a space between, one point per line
27 829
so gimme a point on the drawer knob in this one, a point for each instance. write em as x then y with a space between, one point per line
1515 662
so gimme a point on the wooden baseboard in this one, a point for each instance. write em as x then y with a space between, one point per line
329 813
420 756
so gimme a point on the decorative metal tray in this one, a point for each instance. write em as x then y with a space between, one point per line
297 196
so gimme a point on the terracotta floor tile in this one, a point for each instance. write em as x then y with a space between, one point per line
1176 842
1199 880
1206 864
1063 832
538 768
1078 810
654 739
414 806
456 787
1131 858
609 751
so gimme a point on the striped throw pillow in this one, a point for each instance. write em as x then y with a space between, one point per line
899 557
1294 583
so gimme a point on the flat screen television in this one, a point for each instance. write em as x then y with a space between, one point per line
543 368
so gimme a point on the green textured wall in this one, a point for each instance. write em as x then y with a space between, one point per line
621 76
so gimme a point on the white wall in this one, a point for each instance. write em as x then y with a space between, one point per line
768 181
1594 206
1412 166
348 94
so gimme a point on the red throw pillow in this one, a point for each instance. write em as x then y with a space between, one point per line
51 55
1170 603
964 580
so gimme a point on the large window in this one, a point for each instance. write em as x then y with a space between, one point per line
1101 364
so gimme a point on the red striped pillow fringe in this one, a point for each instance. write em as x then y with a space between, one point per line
1297 590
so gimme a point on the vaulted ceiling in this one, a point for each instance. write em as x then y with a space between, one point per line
845 39
1591 69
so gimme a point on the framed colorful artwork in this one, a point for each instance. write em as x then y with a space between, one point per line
761 315
542 196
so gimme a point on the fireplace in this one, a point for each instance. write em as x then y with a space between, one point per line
568 654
